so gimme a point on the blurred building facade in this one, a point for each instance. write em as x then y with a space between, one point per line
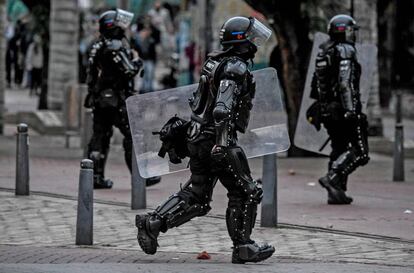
63 50
387 23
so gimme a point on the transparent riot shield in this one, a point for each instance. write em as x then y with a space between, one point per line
306 136
267 132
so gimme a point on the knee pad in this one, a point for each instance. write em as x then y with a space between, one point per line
239 168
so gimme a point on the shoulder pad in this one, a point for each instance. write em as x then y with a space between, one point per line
210 66
235 67
114 45
97 45
346 51
326 47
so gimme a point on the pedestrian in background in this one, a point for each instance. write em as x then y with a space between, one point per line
34 63
111 71
338 107
145 40
10 52
161 19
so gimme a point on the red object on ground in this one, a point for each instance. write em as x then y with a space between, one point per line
204 256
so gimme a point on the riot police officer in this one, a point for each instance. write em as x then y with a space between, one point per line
110 80
220 108
335 86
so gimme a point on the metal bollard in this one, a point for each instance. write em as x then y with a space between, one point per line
138 191
22 160
87 131
84 222
269 202
398 173
398 111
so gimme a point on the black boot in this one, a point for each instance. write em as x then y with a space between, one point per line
152 181
251 252
333 183
100 183
148 231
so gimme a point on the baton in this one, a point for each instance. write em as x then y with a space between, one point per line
324 144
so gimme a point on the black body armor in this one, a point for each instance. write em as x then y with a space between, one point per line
220 108
110 81
223 100
111 73
336 80
335 86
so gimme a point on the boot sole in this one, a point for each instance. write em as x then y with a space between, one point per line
147 244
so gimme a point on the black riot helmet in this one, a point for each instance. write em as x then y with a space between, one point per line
112 23
343 28
243 35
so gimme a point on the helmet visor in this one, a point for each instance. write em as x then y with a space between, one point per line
123 18
258 33
351 33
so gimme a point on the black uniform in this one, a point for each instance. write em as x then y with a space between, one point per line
220 108
110 82
335 86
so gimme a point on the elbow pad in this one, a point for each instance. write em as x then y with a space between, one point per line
224 102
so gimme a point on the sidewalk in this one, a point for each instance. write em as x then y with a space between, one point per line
381 207
374 234
41 230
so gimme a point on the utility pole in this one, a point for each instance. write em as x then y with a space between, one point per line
2 65
352 8
398 171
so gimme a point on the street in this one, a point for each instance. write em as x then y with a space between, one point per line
261 91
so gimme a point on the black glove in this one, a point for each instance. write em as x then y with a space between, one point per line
313 115
140 67
89 101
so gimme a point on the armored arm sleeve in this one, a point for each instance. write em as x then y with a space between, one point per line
93 71
122 60
127 66
348 94
227 98
226 113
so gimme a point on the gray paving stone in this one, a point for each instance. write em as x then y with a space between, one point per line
40 229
